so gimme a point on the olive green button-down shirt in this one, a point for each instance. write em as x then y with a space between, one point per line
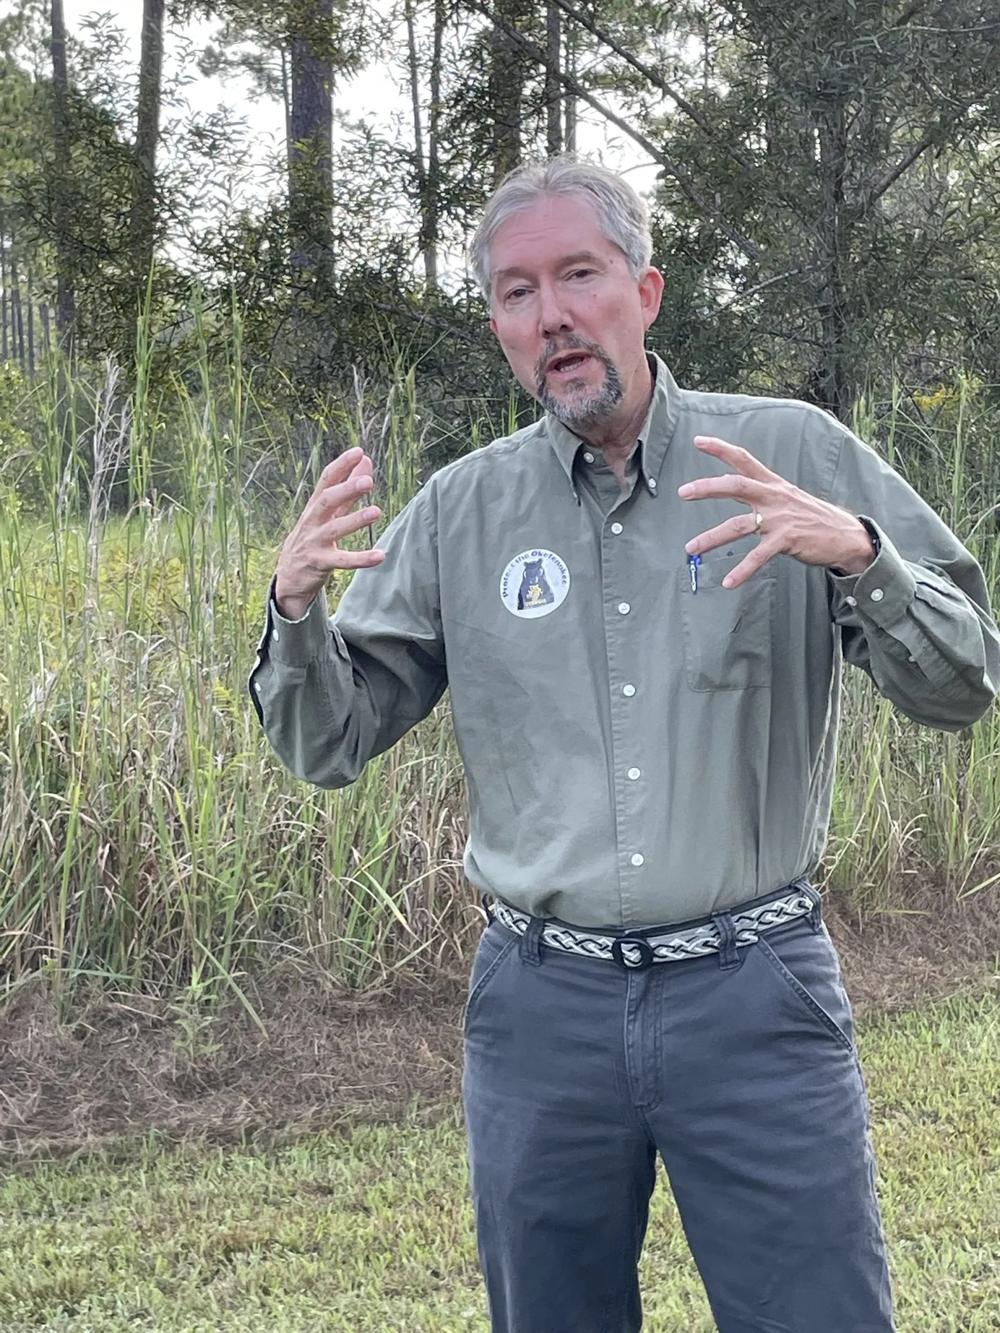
636 752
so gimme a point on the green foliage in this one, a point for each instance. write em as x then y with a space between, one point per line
150 839
140 495
132 761
845 164
19 464
839 223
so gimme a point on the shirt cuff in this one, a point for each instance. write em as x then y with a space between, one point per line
883 592
296 642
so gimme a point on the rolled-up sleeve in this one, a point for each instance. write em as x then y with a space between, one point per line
331 692
918 619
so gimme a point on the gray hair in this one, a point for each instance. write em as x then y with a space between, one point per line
621 214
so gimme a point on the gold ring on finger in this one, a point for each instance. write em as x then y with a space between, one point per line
758 522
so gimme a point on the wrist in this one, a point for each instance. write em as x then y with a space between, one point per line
863 550
289 605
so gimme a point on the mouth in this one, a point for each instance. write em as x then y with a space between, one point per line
568 364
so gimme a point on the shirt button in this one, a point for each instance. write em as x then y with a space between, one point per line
877 594
628 691
633 773
652 483
588 458
276 635
617 528
624 608
851 601
256 686
637 858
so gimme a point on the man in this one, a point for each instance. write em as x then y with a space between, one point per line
640 605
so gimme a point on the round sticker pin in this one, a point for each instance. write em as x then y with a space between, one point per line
534 584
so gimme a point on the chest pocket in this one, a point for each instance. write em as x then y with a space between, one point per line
727 631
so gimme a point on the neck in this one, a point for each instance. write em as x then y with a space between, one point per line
616 437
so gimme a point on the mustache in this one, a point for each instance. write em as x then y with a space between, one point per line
571 343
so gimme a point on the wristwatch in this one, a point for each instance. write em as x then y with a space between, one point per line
869 527
872 531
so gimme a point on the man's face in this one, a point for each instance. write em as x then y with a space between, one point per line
569 315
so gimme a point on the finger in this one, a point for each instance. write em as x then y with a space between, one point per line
750 565
742 525
729 487
734 456
337 500
364 467
348 523
325 557
340 469
359 559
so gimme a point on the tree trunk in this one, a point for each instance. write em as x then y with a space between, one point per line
418 137
286 106
569 138
17 322
142 223
31 326
62 202
834 373
506 85
428 171
4 346
553 87
310 174
707 72
433 149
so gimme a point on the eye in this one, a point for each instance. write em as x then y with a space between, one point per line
581 273
515 294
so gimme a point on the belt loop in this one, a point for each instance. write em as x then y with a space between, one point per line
530 951
728 957
816 915
487 907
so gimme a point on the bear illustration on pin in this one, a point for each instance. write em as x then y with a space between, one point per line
534 589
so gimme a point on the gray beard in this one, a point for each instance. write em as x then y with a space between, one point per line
583 414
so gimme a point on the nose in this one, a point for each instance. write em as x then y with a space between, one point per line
553 315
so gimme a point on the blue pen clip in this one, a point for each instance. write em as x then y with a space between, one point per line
693 562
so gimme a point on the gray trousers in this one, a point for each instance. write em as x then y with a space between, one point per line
739 1069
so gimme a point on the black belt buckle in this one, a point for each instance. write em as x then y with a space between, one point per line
646 956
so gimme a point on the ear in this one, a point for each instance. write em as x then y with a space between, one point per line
493 326
650 295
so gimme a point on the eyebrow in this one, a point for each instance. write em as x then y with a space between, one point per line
581 256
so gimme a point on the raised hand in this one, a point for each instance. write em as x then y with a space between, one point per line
789 521
312 549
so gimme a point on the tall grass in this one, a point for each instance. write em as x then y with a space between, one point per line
148 837
910 802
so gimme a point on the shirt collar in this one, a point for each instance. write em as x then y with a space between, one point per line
654 437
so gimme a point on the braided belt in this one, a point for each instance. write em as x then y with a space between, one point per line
640 950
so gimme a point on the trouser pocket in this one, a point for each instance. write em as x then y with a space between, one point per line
495 944
805 963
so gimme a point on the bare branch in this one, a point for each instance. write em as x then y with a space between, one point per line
687 185
871 196
762 286
677 98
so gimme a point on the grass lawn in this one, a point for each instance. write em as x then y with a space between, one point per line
370 1231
